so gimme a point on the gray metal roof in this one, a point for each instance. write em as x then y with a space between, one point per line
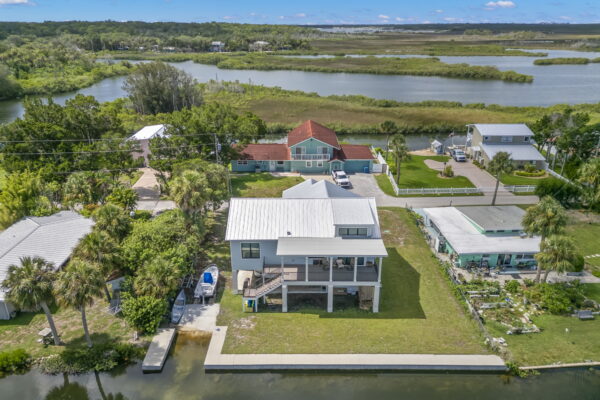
52 238
493 218
337 246
311 189
518 152
503 129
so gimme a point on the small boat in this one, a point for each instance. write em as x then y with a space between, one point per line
178 307
207 285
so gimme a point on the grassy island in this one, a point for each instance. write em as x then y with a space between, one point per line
566 61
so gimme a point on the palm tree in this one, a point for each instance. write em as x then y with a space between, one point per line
191 192
158 278
99 249
589 176
77 286
388 128
557 253
30 285
545 218
401 153
500 164
111 219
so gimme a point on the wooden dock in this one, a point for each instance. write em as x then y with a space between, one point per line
159 350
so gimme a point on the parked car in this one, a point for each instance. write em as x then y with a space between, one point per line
458 155
341 179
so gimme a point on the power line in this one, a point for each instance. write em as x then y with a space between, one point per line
103 151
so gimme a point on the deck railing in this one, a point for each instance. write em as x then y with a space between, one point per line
311 157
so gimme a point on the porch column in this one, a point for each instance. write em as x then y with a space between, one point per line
284 298
330 269
306 268
376 298
234 281
282 270
355 267
379 269
330 298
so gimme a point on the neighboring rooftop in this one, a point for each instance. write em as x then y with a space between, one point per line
266 151
493 218
503 129
518 152
287 246
311 189
312 129
272 218
149 132
353 152
53 238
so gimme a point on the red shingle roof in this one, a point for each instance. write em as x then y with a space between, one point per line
265 151
311 129
353 152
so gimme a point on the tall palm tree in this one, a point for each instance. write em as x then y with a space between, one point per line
113 220
191 192
77 286
30 286
398 145
557 253
500 164
388 128
157 278
99 249
545 218
589 176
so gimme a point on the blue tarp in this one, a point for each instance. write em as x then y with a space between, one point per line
207 277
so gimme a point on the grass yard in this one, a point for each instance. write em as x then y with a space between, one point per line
261 185
22 331
587 240
512 180
418 312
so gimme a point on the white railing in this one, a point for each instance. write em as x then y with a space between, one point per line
557 175
311 157
436 191
392 181
520 188
381 166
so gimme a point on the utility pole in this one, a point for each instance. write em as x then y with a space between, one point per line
217 148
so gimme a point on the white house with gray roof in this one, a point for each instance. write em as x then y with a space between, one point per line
315 240
487 140
53 238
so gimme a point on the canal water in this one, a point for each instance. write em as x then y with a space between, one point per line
184 378
556 84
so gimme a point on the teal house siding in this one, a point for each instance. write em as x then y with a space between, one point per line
352 166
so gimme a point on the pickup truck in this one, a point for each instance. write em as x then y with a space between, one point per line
341 179
458 155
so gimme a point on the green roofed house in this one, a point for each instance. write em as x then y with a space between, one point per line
482 236
310 148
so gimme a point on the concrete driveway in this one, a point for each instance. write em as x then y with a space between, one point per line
148 193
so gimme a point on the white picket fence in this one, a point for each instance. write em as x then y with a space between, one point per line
437 191
520 188
381 166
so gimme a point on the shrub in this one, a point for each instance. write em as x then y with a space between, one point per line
448 172
557 298
142 215
578 263
144 313
512 286
530 174
478 164
565 193
88 209
14 361
528 282
124 197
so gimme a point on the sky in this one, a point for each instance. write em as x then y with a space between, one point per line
307 11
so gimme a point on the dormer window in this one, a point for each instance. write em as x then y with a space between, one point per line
353 231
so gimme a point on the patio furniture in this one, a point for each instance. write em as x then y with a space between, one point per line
585 315
339 263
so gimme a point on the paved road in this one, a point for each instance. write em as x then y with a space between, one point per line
149 195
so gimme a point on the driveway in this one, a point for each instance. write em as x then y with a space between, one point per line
149 195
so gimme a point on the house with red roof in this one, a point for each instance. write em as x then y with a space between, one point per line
310 148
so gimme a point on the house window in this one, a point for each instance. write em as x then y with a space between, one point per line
353 231
319 163
309 164
324 150
250 250
242 162
299 150
486 138
506 139
279 162
360 261
526 139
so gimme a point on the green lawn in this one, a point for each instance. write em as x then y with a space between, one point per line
587 240
512 180
261 185
21 332
418 312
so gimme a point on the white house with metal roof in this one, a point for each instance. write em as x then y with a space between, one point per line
321 241
143 137
53 238
482 236
516 139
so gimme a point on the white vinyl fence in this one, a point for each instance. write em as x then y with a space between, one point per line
521 188
438 191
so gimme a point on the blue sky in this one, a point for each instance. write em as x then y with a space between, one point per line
305 12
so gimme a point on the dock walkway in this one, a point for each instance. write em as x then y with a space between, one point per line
158 350
215 360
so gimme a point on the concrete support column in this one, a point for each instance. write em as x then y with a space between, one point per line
284 298
306 268
330 298
355 267
376 298
282 270
234 281
380 267
330 269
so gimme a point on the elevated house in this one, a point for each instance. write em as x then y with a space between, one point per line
53 238
310 148
143 137
316 240
482 236
487 140
217 46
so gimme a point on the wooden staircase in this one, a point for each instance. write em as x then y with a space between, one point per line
264 289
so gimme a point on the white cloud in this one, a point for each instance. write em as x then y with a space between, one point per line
492 5
566 18
439 11
15 2
383 16
426 22
281 17
399 19
300 15
225 17
451 19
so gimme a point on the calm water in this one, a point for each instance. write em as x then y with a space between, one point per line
184 378
552 84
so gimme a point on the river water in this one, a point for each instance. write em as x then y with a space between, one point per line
556 84
184 378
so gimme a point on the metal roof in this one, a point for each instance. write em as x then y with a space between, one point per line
148 132
311 189
272 218
53 238
337 246
495 217
503 129
466 239
518 152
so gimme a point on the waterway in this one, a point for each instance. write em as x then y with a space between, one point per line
183 377
555 84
